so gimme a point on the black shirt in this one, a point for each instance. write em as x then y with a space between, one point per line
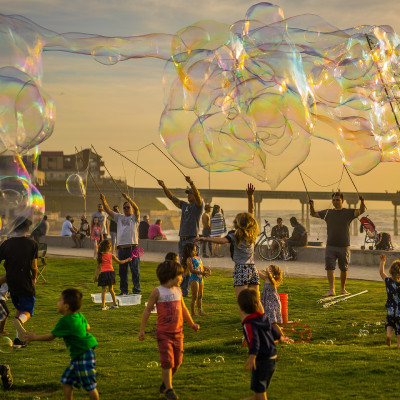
338 226
18 253
144 230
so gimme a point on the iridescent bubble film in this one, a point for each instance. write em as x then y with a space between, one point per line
75 185
247 95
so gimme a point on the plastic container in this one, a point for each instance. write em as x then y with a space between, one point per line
129 300
96 298
284 310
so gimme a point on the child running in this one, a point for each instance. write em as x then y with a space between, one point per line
197 271
95 235
73 327
273 277
171 311
242 239
393 295
107 273
260 336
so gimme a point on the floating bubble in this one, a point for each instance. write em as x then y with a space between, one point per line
5 344
329 342
219 359
323 343
152 364
378 323
206 360
354 324
75 185
246 96
363 332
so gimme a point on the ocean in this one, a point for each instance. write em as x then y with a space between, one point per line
383 220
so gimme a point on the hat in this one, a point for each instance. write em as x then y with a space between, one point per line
188 190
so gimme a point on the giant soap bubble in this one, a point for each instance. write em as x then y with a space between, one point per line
246 96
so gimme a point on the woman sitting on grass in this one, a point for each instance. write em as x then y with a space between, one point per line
393 295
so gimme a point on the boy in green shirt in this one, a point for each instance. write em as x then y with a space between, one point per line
73 327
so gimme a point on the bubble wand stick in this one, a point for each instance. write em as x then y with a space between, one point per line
83 162
109 173
301 176
134 163
355 187
167 158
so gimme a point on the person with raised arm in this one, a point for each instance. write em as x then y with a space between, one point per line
338 222
127 240
190 220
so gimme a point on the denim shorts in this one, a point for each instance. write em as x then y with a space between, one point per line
24 304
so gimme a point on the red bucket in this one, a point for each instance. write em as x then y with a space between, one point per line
284 309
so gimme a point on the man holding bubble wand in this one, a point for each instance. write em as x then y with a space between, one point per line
127 241
190 220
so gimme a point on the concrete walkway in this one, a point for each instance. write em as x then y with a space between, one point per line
294 268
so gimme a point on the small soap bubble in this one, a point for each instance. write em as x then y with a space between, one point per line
219 359
206 361
323 343
5 344
378 323
354 324
329 342
152 364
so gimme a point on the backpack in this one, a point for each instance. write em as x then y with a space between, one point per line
384 242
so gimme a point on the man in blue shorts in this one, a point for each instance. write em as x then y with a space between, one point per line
338 222
20 254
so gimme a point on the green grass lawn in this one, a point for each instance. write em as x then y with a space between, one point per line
353 367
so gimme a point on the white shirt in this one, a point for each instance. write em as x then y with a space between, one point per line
127 229
66 228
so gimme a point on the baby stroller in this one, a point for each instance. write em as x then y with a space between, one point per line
371 235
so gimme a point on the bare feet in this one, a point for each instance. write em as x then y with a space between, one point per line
344 291
388 340
202 314
327 294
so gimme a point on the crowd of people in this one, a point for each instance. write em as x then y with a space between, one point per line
260 315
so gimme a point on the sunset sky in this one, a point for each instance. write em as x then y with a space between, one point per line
120 105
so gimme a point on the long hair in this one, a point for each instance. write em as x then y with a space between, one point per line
277 274
187 253
246 228
216 209
394 270
104 247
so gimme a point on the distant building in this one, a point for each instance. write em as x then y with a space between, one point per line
58 166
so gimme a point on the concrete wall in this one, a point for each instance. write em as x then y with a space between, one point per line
305 254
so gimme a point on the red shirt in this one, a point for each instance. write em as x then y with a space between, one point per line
106 262
169 310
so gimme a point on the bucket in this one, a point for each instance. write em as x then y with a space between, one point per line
284 310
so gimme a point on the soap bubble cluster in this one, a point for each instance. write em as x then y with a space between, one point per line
243 96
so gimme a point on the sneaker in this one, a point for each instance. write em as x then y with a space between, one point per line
18 344
105 308
19 327
6 377
162 388
170 394
114 306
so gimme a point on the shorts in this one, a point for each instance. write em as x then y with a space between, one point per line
341 254
245 274
113 236
170 346
24 304
393 322
4 312
261 376
81 372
